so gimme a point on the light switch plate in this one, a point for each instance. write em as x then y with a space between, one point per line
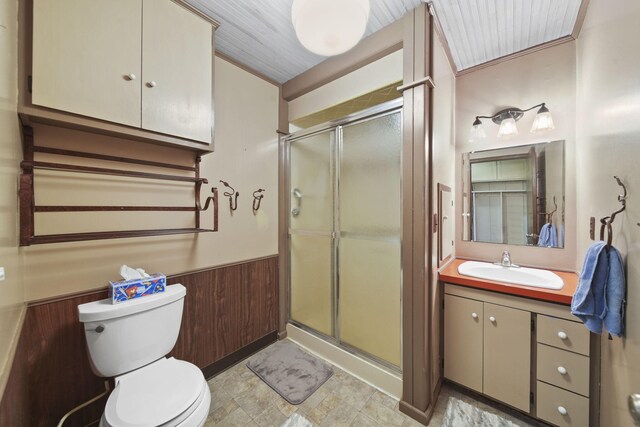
1 274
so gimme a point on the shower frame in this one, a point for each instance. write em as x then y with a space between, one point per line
335 127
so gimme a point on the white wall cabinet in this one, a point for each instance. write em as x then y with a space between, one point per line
140 63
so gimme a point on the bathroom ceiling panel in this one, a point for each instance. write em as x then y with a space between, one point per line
479 31
260 34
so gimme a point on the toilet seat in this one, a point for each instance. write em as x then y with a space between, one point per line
164 393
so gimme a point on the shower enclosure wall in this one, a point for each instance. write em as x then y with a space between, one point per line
345 279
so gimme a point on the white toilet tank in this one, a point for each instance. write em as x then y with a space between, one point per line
126 336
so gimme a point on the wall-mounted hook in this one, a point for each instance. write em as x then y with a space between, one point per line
257 198
232 195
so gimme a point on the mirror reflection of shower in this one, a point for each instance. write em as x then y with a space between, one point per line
298 196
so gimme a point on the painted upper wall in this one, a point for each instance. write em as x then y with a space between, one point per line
246 155
608 143
548 75
11 289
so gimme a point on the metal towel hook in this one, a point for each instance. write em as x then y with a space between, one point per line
232 195
257 198
608 220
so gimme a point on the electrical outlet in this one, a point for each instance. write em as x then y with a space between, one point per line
1 274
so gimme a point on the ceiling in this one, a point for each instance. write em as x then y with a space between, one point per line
477 31
263 38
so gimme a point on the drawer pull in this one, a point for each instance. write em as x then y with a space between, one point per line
562 370
562 335
474 315
152 83
492 319
130 76
562 410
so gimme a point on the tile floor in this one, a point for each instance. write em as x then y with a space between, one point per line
240 398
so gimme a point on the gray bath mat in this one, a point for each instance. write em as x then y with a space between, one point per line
461 414
291 372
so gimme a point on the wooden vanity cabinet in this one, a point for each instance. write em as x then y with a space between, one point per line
487 349
147 64
507 355
531 355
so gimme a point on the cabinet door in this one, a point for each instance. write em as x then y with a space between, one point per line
86 58
177 53
507 355
463 341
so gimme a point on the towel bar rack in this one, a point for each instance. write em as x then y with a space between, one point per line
28 207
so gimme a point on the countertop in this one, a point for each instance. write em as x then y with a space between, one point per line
563 296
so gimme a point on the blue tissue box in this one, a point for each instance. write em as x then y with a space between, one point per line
124 290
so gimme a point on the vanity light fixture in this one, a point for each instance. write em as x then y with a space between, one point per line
329 27
507 119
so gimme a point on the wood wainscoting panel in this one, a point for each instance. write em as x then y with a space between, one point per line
229 313
59 375
14 407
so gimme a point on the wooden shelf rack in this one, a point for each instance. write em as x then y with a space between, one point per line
28 207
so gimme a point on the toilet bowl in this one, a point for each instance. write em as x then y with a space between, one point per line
129 341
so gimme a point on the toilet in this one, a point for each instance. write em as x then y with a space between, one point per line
130 341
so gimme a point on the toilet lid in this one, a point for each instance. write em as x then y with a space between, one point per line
155 394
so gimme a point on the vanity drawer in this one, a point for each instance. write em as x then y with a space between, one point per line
564 334
563 369
561 407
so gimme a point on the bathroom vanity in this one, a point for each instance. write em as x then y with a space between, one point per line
522 347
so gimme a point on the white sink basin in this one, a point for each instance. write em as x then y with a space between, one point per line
515 275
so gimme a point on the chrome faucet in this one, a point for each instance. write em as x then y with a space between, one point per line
506 260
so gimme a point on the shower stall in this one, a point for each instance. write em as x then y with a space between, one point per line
345 276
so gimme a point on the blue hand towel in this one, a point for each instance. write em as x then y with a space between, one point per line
548 236
588 301
600 293
615 294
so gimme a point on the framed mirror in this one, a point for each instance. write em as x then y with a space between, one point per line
515 195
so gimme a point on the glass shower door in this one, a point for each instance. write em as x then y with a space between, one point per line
369 224
311 245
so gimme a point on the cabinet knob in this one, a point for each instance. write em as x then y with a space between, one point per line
130 76
562 335
474 315
492 319
562 410
152 83
562 370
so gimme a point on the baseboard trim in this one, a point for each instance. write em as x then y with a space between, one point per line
414 412
282 335
246 351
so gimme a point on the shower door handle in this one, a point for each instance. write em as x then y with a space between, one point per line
298 196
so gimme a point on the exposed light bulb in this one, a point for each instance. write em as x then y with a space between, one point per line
329 27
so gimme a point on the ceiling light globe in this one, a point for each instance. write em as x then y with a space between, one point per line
329 27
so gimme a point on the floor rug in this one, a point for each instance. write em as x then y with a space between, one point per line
293 373
462 414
